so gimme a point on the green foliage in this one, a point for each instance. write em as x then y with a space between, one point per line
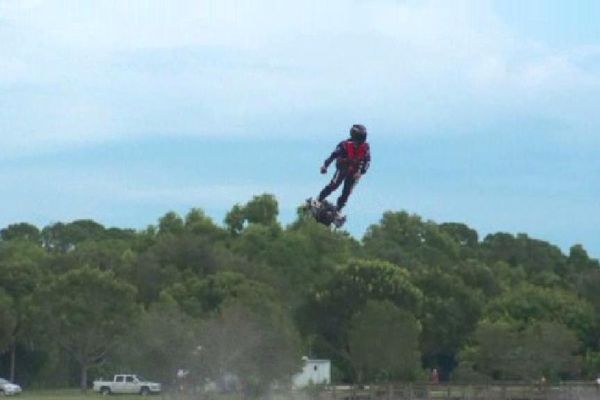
543 262
202 297
8 320
21 231
507 307
384 342
328 310
352 286
503 351
450 313
235 219
406 240
85 310
20 274
64 237
163 340
258 348
261 209
462 234
170 223
172 259
197 223
579 260
527 304
20 267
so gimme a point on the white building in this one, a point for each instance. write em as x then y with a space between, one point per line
316 372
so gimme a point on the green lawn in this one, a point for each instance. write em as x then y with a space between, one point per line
75 394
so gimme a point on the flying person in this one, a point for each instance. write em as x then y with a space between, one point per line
352 158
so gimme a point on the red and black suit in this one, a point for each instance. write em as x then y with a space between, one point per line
352 160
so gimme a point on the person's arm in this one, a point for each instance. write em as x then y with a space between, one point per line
365 162
337 152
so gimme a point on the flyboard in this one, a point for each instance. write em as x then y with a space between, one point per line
324 212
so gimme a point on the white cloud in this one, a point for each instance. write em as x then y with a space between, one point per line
116 69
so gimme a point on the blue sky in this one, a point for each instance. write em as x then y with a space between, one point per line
482 112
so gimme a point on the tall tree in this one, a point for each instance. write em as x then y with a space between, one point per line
20 274
7 320
328 311
544 263
62 237
449 315
528 303
198 223
503 351
384 343
202 297
406 240
85 311
261 209
21 231
171 223
163 340
258 348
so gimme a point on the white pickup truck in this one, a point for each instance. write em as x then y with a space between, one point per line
126 384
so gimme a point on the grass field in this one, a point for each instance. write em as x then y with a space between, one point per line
75 394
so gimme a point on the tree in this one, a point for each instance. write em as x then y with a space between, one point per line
483 279
587 284
464 235
171 223
528 303
85 311
203 297
362 280
261 209
257 348
197 223
21 273
450 313
544 263
467 238
7 321
328 311
384 342
406 240
21 231
175 258
304 257
579 260
163 341
64 237
235 219
502 351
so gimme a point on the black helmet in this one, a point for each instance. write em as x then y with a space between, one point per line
358 133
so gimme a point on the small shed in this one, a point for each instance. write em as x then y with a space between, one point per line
316 372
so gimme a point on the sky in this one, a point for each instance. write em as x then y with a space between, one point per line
482 112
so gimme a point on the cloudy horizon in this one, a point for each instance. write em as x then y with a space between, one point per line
482 112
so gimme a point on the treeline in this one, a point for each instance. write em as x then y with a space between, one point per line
249 298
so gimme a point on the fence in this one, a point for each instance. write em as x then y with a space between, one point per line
507 391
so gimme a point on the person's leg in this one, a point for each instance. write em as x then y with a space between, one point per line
349 183
335 182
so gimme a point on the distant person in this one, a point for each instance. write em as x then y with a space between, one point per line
435 377
352 159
